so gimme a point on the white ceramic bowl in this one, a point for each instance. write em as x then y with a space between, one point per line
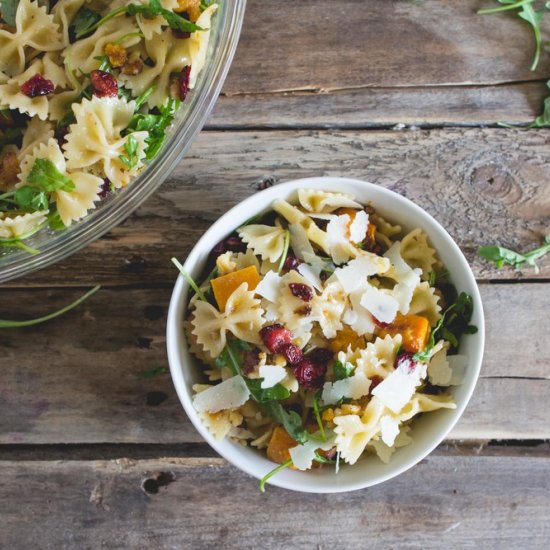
427 431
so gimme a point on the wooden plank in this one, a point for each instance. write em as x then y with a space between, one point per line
382 107
316 45
79 379
483 185
461 501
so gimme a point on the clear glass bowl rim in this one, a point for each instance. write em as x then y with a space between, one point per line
223 43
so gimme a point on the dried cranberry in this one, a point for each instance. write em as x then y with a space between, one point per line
37 85
106 189
304 311
275 337
301 291
380 324
374 381
292 353
180 34
104 84
405 360
320 355
292 262
183 82
309 373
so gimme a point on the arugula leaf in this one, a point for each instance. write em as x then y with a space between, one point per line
317 414
54 221
263 395
290 421
84 19
271 473
174 20
130 159
31 322
45 176
454 322
342 371
9 9
526 12
10 136
500 256
151 373
30 198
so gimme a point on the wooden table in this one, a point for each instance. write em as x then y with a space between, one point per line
405 94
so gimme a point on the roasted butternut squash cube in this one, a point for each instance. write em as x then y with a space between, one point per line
279 445
225 285
414 330
344 338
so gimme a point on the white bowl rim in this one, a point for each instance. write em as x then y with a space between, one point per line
223 226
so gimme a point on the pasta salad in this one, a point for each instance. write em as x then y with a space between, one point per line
324 330
88 89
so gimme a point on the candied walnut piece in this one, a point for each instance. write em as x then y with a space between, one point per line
191 7
104 84
8 170
133 68
37 86
116 53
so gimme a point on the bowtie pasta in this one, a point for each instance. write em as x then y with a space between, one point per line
87 91
324 329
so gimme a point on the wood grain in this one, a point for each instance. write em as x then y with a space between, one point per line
484 186
320 45
79 379
382 107
457 501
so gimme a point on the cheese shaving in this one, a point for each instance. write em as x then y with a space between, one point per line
230 394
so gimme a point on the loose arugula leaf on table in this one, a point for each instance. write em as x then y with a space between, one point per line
151 373
501 256
527 12
9 9
31 322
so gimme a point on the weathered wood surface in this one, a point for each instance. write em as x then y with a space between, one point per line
484 186
382 107
80 379
453 501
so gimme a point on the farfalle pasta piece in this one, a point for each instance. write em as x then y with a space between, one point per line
267 241
11 96
233 261
95 140
38 131
168 55
294 216
220 424
315 200
378 358
64 11
242 317
198 44
385 452
34 28
421 402
425 302
417 252
20 225
82 55
71 205
61 104
328 308
354 432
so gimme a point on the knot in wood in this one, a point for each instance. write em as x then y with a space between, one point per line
495 182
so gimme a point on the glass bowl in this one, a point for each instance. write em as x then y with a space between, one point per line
56 245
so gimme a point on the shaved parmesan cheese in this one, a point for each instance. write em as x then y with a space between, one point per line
337 238
354 387
358 227
363 322
269 286
458 364
353 275
299 241
381 304
271 374
389 427
403 294
307 272
394 256
396 390
230 394
439 372
321 216
271 312
302 455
